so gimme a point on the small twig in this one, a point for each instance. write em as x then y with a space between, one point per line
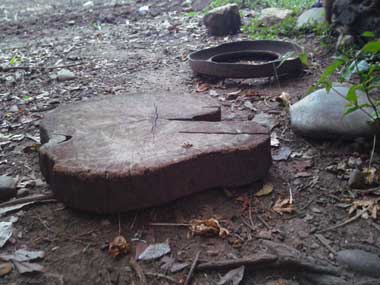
248 224
322 239
192 268
276 75
37 198
250 213
169 225
372 151
358 215
252 261
223 133
263 222
139 271
162 276
27 68
133 222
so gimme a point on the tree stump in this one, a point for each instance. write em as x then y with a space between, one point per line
143 150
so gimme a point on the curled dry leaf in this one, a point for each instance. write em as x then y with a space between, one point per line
118 246
284 99
369 208
371 176
284 206
210 227
203 87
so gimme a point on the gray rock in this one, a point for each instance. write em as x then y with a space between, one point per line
199 5
311 17
8 187
266 120
282 154
272 16
321 115
360 261
223 20
65 75
356 180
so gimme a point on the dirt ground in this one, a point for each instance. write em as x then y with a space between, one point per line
121 52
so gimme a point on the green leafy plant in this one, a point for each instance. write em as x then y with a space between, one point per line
362 70
15 60
284 29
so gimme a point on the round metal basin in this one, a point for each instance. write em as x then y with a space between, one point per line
248 59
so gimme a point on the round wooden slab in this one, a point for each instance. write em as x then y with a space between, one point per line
137 151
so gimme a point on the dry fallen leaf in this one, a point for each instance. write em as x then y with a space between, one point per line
369 208
266 190
370 176
118 246
5 268
284 99
210 227
283 206
203 87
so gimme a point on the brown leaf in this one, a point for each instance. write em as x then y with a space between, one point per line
370 176
284 99
5 268
370 208
210 227
283 206
203 87
245 201
118 246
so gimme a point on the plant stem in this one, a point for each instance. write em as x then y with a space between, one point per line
373 151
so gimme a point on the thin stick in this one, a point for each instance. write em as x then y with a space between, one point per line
10 68
322 239
358 215
169 225
192 268
139 272
247 224
263 222
36 198
372 151
250 213
263 259
162 276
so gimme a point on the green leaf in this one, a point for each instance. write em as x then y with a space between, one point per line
351 95
331 69
304 59
328 86
372 47
368 34
351 110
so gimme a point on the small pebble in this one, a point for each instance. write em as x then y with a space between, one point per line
8 187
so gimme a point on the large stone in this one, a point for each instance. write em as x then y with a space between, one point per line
137 151
223 20
360 261
272 16
311 17
8 187
321 115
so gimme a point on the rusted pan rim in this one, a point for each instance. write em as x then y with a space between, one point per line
222 61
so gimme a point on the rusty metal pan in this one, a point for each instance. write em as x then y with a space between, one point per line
232 60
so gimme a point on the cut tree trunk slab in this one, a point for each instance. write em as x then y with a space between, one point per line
143 150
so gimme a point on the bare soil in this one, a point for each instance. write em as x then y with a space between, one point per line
119 51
